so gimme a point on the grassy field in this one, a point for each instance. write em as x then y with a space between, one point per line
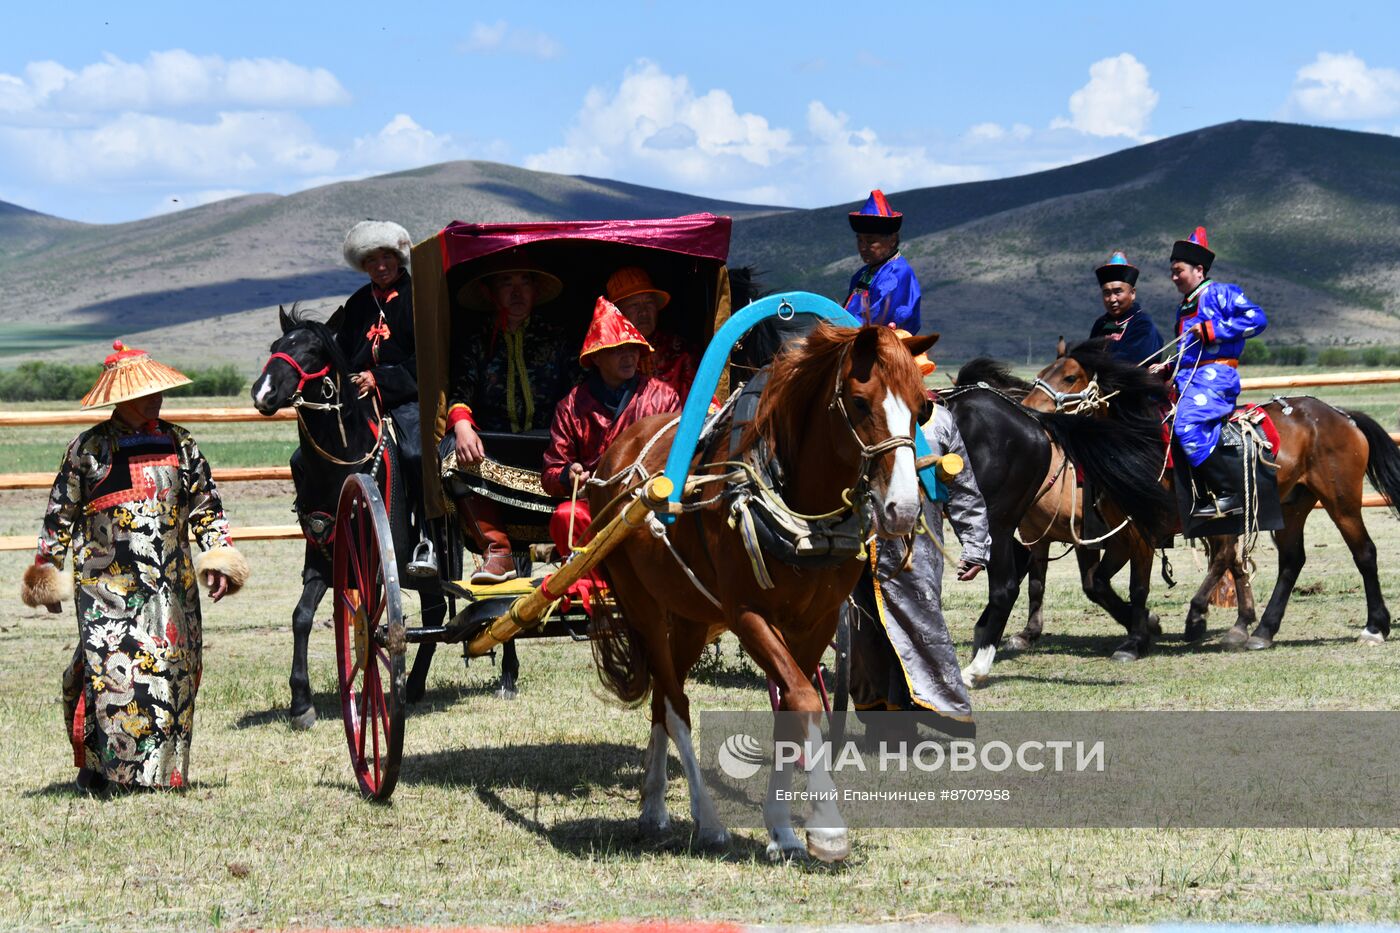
524 812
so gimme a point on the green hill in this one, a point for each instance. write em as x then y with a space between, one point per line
1306 219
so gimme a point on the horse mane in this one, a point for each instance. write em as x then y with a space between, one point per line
745 286
1140 394
994 373
323 334
805 370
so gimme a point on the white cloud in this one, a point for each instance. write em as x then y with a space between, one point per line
250 146
401 144
1342 87
500 37
1117 101
168 80
656 122
990 132
853 161
657 129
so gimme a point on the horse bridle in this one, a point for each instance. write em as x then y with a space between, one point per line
868 452
1087 399
330 390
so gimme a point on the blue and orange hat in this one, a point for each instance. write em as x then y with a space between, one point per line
876 216
1117 269
1195 250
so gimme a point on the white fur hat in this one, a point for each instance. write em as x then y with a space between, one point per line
370 235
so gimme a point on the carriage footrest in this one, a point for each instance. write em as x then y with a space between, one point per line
477 592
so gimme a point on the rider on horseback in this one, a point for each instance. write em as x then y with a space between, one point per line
1130 334
1213 322
885 290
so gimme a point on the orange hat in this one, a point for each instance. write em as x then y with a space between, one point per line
926 365
609 329
129 374
633 280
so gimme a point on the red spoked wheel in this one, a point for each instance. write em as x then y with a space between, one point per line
369 637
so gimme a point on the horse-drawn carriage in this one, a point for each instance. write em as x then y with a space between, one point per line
687 257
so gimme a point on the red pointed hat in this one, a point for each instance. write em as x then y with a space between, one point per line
1194 251
876 216
609 329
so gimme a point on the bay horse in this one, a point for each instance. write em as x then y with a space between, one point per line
1325 454
340 434
838 415
1023 461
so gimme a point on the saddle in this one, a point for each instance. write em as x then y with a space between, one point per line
1249 443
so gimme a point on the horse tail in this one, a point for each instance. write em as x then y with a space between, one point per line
1126 465
618 651
1383 461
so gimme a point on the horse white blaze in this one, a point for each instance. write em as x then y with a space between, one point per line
899 511
261 388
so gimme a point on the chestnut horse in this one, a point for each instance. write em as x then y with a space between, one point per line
1324 455
838 414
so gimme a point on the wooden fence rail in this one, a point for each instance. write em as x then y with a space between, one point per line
287 532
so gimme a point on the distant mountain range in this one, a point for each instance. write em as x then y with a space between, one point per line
1306 219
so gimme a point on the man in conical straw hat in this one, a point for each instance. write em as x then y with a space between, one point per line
129 494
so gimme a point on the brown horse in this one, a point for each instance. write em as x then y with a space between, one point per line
838 416
1324 455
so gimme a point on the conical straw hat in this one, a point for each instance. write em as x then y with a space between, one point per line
129 374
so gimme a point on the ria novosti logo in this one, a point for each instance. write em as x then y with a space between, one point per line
740 756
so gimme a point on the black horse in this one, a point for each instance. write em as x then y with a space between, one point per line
1011 449
340 434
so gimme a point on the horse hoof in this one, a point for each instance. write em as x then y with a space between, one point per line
1369 637
1195 631
829 846
305 720
781 853
1259 642
504 693
714 838
1126 653
413 691
1017 643
975 681
1235 639
654 825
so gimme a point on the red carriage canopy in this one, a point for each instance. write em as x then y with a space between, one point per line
704 236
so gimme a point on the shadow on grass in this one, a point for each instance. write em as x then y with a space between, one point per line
568 771
435 700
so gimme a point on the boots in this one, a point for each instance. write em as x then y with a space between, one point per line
480 519
1216 485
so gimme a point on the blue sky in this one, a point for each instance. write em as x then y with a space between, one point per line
113 112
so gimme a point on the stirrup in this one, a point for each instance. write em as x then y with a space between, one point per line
424 562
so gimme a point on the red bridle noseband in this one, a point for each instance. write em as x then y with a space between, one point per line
305 376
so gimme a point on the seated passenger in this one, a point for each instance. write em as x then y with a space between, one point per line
671 360
507 374
614 396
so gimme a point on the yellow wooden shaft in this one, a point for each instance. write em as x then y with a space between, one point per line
527 611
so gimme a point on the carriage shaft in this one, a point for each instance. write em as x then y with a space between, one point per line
527 611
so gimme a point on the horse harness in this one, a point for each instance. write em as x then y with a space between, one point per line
756 509
319 527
